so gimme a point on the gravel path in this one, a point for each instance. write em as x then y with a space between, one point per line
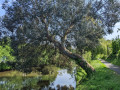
111 66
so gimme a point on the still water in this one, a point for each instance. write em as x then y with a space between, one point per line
62 81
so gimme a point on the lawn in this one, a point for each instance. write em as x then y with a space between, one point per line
103 79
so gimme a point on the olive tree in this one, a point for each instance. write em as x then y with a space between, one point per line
77 23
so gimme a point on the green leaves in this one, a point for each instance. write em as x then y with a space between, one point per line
81 75
115 45
89 20
6 51
102 50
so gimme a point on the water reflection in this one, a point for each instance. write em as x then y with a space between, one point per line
63 81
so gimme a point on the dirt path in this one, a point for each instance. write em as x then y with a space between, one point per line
111 66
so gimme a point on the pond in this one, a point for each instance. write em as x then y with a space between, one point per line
63 80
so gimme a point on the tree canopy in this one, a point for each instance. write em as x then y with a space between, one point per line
63 23
67 21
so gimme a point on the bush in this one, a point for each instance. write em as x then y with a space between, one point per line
104 57
4 66
118 54
114 57
80 75
49 70
87 55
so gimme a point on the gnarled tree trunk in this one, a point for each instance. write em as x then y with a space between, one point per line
79 59
60 45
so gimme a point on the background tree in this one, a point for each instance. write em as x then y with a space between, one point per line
62 23
6 54
5 50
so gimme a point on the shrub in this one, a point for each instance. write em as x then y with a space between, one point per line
87 55
4 66
49 70
80 75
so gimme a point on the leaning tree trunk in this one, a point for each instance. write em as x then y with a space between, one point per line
79 59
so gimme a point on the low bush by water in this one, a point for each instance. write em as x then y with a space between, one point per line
4 66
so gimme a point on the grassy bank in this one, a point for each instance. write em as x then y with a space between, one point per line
103 79
45 72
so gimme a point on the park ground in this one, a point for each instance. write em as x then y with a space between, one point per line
103 79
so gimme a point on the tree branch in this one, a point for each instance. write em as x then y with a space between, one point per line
67 32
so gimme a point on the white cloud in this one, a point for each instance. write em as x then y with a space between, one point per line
115 32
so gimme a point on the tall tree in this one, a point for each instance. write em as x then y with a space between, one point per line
62 22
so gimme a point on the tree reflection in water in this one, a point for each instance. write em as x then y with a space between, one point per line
63 81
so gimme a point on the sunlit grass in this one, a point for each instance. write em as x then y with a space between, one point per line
103 79
47 70
17 73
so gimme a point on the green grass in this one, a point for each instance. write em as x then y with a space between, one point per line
103 79
50 70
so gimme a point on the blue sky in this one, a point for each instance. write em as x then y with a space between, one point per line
108 37
115 33
2 12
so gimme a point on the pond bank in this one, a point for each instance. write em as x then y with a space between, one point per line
16 80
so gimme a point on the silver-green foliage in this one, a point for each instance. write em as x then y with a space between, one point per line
68 21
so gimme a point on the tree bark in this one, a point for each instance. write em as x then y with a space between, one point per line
79 59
